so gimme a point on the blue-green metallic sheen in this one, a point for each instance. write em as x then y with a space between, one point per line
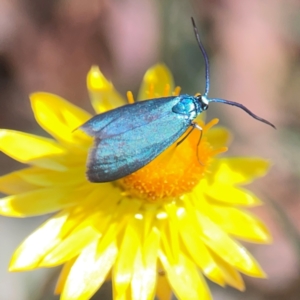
129 137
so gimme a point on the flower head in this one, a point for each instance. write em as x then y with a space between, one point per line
150 232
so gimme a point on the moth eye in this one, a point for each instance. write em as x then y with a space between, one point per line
204 106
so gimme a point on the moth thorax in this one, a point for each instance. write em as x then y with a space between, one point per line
188 106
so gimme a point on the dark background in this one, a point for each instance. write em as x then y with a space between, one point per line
254 47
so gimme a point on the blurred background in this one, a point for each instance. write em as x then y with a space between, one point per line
254 49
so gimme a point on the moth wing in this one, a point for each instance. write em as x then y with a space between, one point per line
122 154
128 117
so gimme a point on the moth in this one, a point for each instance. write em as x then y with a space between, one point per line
129 137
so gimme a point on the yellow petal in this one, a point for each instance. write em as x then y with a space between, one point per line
170 234
230 274
29 148
118 216
140 288
163 289
59 117
228 194
14 183
239 170
49 178
37 202
187 283
80 230
89 272
63 276
70 247
218 137
144 274
29 179
196 248
241 224
230 251
123 269
32 250
102 93
155 82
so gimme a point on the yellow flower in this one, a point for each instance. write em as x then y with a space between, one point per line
158 230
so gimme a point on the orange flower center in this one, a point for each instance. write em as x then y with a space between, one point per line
174 172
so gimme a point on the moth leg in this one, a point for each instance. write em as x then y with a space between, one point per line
193 127
196 125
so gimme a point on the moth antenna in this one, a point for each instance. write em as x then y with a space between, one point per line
244 108
207 82
207 76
